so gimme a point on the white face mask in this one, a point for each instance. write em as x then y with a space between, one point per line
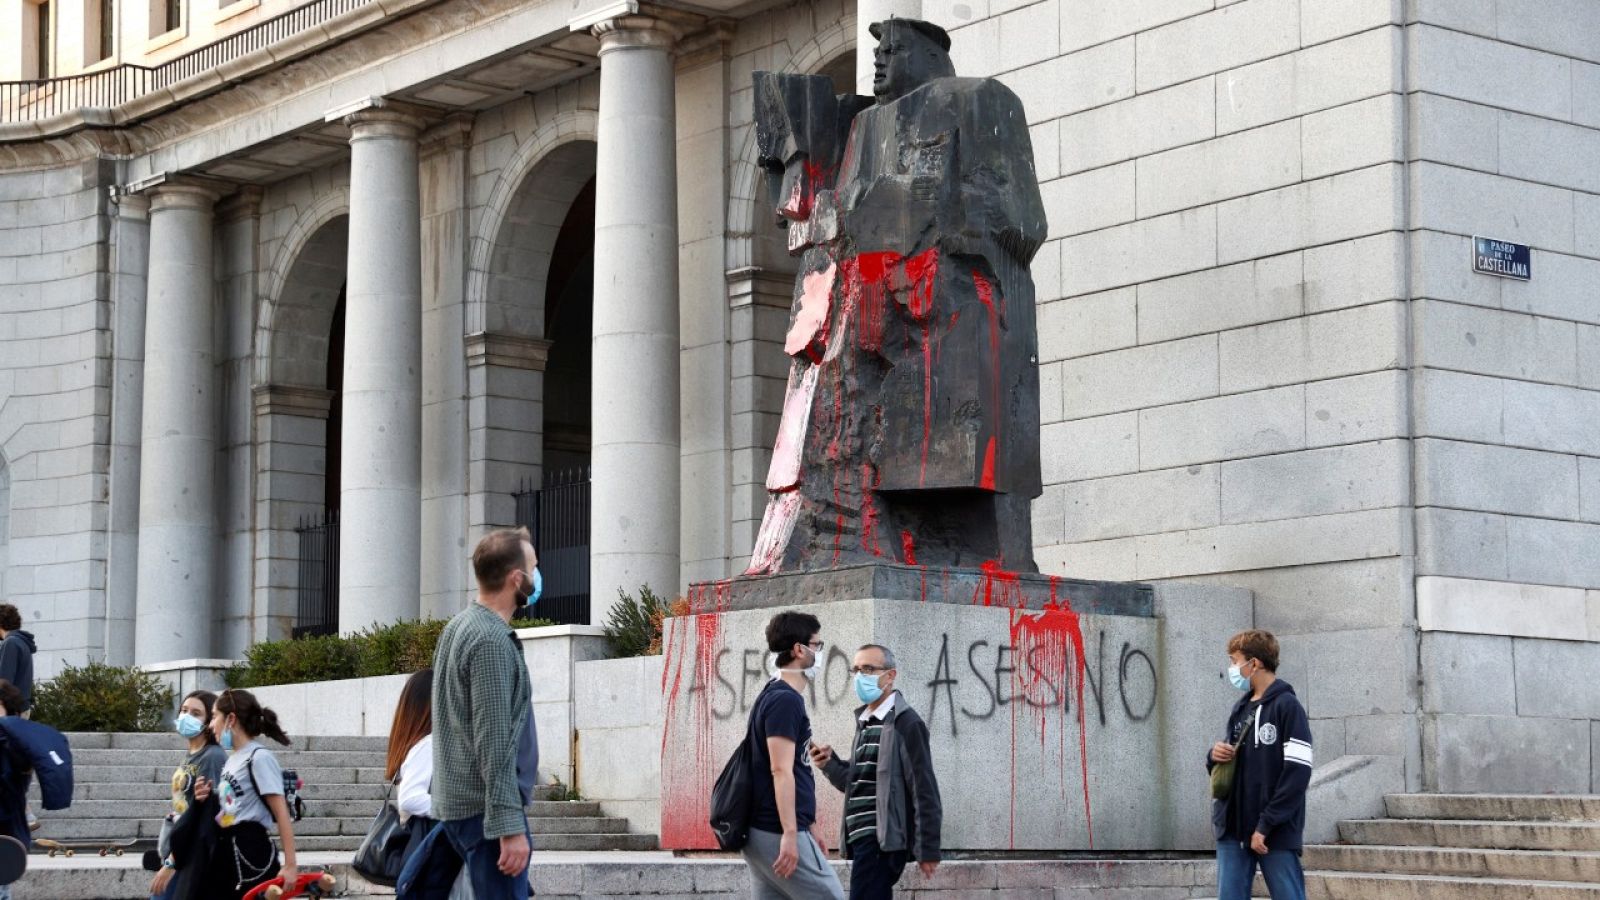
811 672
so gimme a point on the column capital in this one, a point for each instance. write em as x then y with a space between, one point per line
631 26
379 117
165 191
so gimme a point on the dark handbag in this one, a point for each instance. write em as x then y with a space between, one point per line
1222 773
383 852
733 796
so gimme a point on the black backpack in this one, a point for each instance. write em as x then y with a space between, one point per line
291 788
733 797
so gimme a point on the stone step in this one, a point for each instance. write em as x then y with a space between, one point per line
166 740
543 842
169 758
337 820
1495 807
1543 865
101 774
1581 836
1369 886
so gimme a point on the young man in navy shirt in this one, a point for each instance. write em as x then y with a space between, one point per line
785 859
1261 822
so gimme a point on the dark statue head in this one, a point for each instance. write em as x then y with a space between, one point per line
910 53
800 129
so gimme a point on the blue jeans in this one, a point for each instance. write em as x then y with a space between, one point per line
450 847
1236 870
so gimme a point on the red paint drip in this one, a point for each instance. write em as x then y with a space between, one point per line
684 818
869 511
998 587
1049 645
988 466
986 295
908 548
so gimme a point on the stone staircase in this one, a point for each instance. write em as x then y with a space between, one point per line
1463 847
123 786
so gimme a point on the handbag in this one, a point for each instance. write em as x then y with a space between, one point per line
383 851
1222 773
733 796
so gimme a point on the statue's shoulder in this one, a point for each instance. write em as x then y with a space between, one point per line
978 91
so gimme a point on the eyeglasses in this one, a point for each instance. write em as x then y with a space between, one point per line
816 645
869 670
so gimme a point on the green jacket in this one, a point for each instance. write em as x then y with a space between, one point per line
481 696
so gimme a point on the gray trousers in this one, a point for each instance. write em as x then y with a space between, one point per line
813 878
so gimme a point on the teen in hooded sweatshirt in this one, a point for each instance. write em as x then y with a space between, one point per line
1261 822
16 656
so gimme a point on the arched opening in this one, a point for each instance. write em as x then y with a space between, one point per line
568 323
536 361
298 430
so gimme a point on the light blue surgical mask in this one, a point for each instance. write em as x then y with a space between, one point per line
227 740
867 687
1237 679
538 588
189 726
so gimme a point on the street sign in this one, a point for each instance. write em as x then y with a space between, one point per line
1502 258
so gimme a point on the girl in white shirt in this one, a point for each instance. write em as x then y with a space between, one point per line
410 764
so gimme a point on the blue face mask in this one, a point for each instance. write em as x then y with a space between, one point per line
189 726
1237 679
525 604
538 588
227 740
867 687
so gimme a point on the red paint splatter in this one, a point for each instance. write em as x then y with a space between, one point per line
684 819
988 466
1048 647
908 547
998 587
986 296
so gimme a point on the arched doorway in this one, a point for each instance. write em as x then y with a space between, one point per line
533 360
298 425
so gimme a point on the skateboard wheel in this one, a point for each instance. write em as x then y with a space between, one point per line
52 854
102 851
119 851
71 853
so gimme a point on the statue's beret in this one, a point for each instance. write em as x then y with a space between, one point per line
927 29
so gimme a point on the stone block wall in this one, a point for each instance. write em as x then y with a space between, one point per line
55 404
1507 388
1223 332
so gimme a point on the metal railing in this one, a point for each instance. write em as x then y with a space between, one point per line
318 590
557 515
25 101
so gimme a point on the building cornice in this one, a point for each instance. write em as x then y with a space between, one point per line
487 348
291 400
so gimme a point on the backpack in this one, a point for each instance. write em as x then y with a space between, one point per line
292 786
733 796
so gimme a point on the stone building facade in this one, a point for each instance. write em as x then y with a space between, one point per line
487 239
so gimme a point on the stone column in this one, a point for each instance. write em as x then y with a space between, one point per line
380 499
130 247
868 12
634 451
178 434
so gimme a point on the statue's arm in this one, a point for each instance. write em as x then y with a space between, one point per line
1000 202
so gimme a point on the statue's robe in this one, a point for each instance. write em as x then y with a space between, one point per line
942 179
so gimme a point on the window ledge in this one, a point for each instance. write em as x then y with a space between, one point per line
234 9
167 39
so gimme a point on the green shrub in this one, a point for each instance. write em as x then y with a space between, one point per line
98 697
397 649
634 626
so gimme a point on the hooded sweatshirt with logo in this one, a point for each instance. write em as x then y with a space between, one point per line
16 665
1272 772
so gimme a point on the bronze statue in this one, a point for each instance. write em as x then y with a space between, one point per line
910 429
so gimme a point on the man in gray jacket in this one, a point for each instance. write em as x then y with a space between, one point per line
891 808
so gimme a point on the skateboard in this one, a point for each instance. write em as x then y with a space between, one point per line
308 884
13 859
71 848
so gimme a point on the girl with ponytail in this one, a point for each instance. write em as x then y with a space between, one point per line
250 797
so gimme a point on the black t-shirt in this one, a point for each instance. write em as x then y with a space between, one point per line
780 711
